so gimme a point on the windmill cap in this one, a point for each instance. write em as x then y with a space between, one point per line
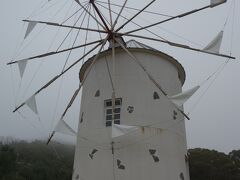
136 46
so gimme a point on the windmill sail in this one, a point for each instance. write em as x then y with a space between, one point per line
131 122
215 44
64 128
22 66
121 130
181 98
31 26
31 103
217 2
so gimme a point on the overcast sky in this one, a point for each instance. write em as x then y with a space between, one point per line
214 120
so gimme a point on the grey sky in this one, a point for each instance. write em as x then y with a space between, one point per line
214 121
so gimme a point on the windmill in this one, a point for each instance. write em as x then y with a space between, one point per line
131 122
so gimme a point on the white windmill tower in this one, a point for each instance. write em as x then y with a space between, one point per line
131 122
144 137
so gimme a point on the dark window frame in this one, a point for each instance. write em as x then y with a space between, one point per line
108 111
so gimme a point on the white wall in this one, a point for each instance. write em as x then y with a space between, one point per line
135 89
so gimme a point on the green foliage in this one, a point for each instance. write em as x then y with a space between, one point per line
212 165
36 161
7 160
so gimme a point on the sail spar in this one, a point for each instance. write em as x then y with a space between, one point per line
130 119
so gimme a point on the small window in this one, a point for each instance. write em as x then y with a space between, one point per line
118 102
117 110
117 122
110 115
108 103
116 116
109 111
108 123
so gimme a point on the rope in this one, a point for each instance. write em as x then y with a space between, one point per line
86 36
150 12
38 69
217 73
70 30
109 74
19 44
70 52
61 82
71 16
46 9
105 18
30 123
134 23
100 35
222 66
232 5
36 72
36 8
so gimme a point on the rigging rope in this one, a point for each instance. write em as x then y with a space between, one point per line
86 36
36 8
47 8
40 63
134 23
223 65
71 28
60 86
150 12
70 52
39 67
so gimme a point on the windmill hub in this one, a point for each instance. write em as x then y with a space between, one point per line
116 41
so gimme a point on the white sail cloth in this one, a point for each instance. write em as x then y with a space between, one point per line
181 98
31 103
31 26
217 2
215 44
23 63
120 130
22 66
64 128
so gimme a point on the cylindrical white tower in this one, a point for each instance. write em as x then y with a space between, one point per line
151 140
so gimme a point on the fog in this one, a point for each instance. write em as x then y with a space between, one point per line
214 109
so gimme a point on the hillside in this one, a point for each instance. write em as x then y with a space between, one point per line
20 160
35 161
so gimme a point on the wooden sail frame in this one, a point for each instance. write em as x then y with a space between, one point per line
111 34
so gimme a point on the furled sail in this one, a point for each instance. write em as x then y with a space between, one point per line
31 26
120 130
215 44
31 103
181 98
217 2
22 66
64 128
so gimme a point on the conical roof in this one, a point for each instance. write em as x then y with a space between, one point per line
138 46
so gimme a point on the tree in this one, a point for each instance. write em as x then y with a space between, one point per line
7 160
212 165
